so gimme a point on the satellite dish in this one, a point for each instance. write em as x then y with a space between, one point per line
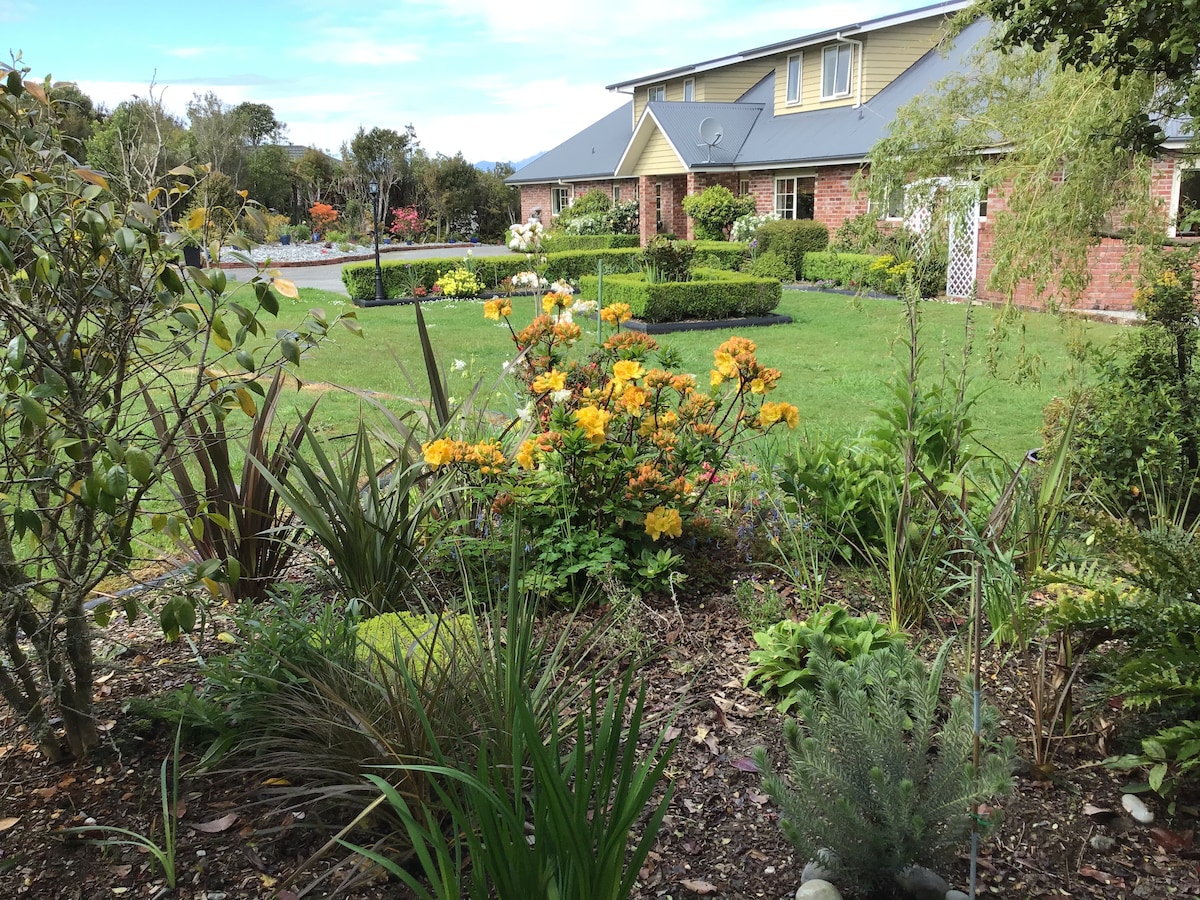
711 132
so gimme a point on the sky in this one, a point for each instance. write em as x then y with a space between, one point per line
496 81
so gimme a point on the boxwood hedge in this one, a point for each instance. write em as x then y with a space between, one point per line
844 269
558 243
711 294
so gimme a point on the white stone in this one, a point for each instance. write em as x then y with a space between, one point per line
821 868
957 895
1136 808
817 890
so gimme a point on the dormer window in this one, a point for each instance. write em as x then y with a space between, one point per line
689 90
835 71
793 79
658 92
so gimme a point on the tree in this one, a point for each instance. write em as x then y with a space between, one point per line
452 188
1066 163
316 175
94 307
79 117
136 145
216 135
498 205
257 123
383 155
1158 38
269 177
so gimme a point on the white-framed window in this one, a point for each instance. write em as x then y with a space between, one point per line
1185 202
743 187
983 202
657 92
794 197
894 201
560 199
835 71
689 90
793 79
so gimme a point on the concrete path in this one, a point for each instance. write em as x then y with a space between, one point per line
329 278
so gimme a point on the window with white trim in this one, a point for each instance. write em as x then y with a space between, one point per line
657 92
835 71
689 90
1185 206
793 79
560 199
894 201
743 187
794 197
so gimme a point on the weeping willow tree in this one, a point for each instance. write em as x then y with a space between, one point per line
1056 145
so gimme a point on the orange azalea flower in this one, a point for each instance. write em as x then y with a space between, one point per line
593 421
487 455
524 457
770 413
568 332
550 381
496 309
663 521
633 399
725 363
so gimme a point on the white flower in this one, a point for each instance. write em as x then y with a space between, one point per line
565 316
525 413
459 365
561 287
560 396
583 307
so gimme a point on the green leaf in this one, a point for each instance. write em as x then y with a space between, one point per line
290 350
29 203
102 613
16 352
33 411
125 239
137 461
269 302
116 482
1157 774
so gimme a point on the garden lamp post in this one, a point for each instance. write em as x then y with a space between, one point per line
373 187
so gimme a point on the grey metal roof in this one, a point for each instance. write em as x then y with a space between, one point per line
680 122
593 153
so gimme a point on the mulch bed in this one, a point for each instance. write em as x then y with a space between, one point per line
720 838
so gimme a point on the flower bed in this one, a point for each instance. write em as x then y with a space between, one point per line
711 294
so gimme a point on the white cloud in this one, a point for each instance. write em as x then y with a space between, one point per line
350 48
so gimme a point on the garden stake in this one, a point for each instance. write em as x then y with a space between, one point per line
599 295
976 694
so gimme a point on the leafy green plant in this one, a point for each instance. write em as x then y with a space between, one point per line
667 260
784 664
760 605
162 853
772 265
792 239
714 210
874 773
1170 757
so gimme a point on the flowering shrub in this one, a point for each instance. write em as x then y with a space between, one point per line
746 226
526 238
617 449
322 215
458 283
406 223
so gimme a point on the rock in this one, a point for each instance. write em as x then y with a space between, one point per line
957 895
817 890
820 869
923 884
1136 808
1101 843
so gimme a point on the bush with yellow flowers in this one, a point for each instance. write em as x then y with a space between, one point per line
615 450
458 282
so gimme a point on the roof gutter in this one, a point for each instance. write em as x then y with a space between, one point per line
858 101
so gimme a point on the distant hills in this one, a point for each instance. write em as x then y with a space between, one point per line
486 165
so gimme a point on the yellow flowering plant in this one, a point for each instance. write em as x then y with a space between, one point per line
618 448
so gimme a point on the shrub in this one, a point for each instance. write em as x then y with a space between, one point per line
771 265
711 294
843 269
666 260
624 217
335 237
792 238
407 223
876 781
746 227
714 210
458 282
586 225
559 243
421 639
300 233
717 254
321 215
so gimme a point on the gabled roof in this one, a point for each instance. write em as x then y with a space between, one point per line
680 125
753 137
593 153
913 15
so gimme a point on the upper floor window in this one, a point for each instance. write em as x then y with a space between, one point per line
658 92
835 71
560 199
793 78
794 197
689 90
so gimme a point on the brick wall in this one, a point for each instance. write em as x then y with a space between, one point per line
833 201
537 196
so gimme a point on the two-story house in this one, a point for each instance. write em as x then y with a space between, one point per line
791 123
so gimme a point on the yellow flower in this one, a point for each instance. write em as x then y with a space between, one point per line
551 302
715 378
758 386
770 413
634 399
495 309
1169 279
550 381
628 370
593 421
439 452
660 521
524 455
725 363
617 313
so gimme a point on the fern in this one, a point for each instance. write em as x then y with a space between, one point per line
871 777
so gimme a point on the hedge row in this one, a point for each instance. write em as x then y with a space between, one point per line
792 239
711 294
718 254
844 269
359 277
558 243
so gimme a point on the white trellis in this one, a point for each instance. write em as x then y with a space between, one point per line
958 201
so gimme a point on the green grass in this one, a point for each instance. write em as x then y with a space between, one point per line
836 358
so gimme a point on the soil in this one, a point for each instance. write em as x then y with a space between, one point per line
720 838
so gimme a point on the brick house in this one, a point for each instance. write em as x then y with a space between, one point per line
791 123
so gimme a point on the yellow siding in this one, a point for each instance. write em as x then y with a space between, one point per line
722 85
658 158
890 51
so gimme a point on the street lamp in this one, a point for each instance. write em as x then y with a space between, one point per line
373 187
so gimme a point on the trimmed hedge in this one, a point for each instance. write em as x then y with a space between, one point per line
792 239
559 243
359 278
718 254
844 269
711 294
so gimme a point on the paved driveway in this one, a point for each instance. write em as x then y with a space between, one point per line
329 277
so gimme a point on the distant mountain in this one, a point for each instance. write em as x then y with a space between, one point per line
486 165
